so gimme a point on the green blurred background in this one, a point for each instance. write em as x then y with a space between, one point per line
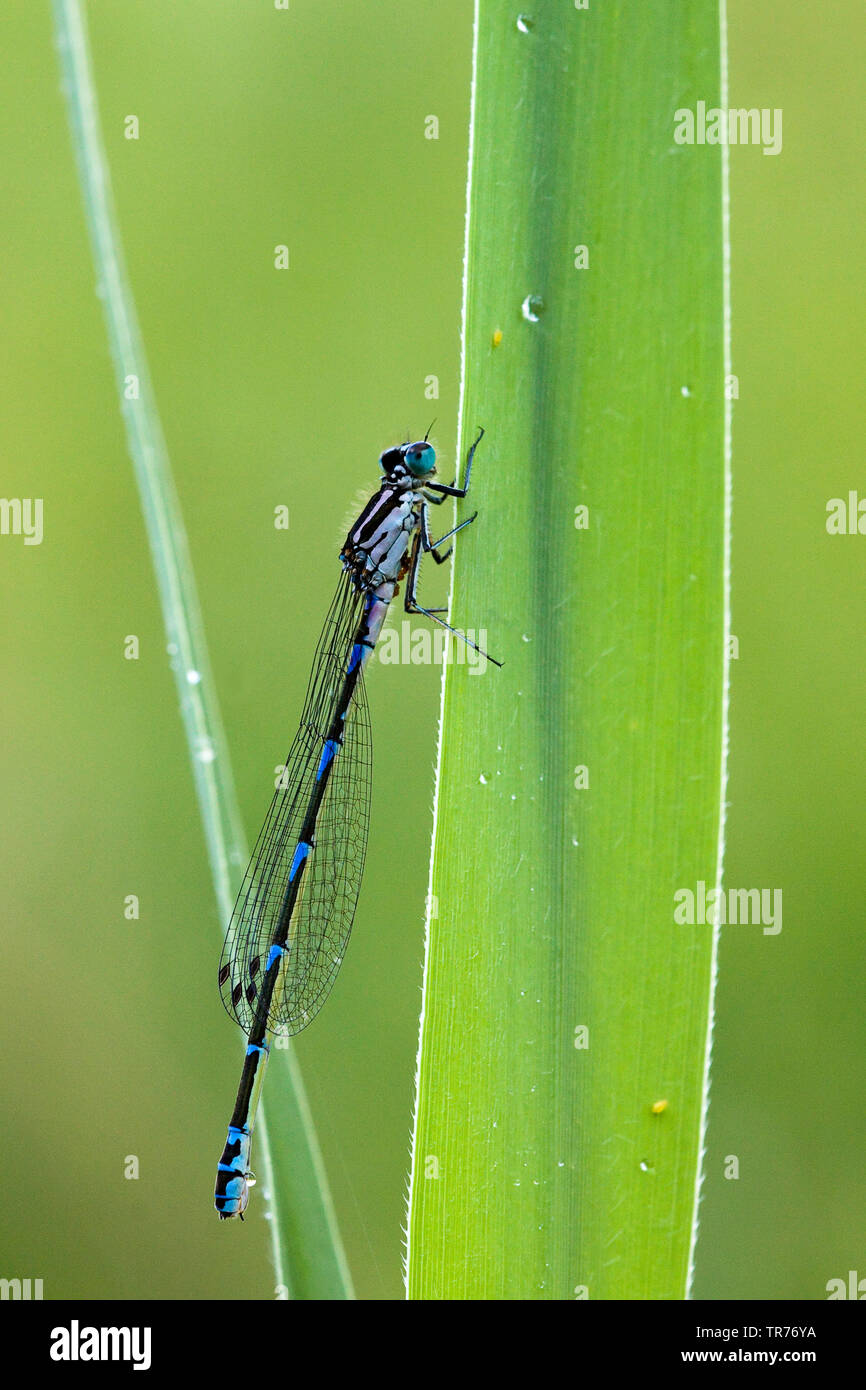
306 127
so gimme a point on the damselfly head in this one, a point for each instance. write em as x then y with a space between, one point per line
409 460
391 462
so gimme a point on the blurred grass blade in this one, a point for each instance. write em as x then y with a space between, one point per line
564 1040
308 1257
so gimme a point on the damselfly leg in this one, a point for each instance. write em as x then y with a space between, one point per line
452 490
422 545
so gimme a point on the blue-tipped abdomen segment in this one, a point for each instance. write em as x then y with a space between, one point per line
298 858
375 610
231 1193
329 752
234 1179
274 954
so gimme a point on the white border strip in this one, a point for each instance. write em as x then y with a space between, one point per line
459 451
726 667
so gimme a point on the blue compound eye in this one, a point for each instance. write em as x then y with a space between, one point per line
420 459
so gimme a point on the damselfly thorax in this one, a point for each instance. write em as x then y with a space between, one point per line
377 547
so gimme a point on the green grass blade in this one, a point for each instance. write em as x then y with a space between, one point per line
540 1169
308 1257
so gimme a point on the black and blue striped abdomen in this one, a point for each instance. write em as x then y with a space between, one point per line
294 912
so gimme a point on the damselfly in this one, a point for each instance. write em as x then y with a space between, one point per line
292 919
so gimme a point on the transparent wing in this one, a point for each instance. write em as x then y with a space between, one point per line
323 915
